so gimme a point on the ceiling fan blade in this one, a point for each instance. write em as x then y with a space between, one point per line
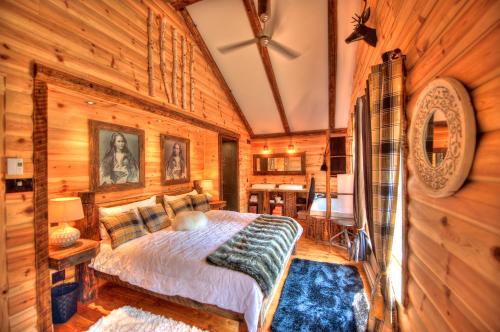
286 51
235 46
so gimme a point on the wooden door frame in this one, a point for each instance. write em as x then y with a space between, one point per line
4 282
235 139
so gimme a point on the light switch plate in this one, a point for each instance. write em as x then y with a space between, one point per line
15 166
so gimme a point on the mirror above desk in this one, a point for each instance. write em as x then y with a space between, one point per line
279 164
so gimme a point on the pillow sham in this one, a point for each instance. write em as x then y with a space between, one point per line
180 205
200 203
123 227
154 217
169 198
104 212
190 221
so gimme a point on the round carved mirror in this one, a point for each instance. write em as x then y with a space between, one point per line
442 137
436 138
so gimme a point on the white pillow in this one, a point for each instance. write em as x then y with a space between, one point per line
104 212
168 198
190 221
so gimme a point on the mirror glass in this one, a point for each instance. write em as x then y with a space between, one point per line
436 138
279 163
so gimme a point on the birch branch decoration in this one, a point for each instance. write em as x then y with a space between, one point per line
191 78
174 66
151 72
163 63
183 72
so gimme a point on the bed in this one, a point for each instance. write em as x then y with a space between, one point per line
172 265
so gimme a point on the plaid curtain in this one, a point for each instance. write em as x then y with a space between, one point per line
386 97
360 130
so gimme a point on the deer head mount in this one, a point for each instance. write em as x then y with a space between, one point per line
361 31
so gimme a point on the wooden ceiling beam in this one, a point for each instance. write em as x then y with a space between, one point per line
181 4
332 61
215 69
321 132
253 17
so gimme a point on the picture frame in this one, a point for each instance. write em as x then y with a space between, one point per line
116 157
175 160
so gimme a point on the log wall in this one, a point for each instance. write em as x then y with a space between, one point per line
453 243
106 40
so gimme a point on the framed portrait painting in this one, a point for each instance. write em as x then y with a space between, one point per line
116 157
174 156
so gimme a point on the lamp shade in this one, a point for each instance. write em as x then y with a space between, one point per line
65 209
345 184
207 184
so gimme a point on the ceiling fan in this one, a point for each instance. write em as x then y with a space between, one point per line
265 38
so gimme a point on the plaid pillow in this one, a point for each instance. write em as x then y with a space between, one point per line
123 227
182 204
200 202
154 217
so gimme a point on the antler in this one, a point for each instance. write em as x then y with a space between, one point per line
359 18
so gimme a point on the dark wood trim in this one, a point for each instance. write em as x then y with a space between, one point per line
278 155
40 205
320 132
195 34
93 87
221 190
253 18
181 4
163 161
332 61
94 160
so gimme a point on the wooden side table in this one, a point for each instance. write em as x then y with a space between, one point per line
217 205
78 255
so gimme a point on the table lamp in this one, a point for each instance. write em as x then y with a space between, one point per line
63 210
204 187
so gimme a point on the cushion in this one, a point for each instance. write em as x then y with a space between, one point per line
123 227
200 203
189 221
154 217
104 212
183 204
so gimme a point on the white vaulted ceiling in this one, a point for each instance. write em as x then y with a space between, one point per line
302 82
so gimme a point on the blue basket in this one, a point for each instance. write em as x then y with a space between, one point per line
64 300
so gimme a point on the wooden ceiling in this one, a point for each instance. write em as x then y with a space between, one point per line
277 96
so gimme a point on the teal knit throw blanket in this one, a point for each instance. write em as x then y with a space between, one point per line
259 249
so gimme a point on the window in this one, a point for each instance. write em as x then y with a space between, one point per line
338 156
395 266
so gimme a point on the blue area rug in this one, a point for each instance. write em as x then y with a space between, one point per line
321 297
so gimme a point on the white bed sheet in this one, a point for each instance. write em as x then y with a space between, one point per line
174 263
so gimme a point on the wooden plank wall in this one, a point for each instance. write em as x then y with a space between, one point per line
106 40
68 152
453 253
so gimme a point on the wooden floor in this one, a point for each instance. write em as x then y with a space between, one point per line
112 297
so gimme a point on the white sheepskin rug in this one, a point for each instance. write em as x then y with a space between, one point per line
127 319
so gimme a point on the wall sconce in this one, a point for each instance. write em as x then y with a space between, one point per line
266 150
291 148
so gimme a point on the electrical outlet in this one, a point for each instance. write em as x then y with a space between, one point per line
58 276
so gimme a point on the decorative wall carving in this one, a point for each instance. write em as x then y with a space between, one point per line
174 66
151 73
163 62
448 96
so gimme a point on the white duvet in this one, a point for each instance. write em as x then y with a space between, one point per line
174 263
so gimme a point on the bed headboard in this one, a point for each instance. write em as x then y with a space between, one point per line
89 225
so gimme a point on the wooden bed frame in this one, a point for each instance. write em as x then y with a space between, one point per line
89 228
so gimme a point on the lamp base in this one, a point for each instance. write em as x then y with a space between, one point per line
64 236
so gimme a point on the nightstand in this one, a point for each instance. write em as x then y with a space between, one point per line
78 255
217 205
